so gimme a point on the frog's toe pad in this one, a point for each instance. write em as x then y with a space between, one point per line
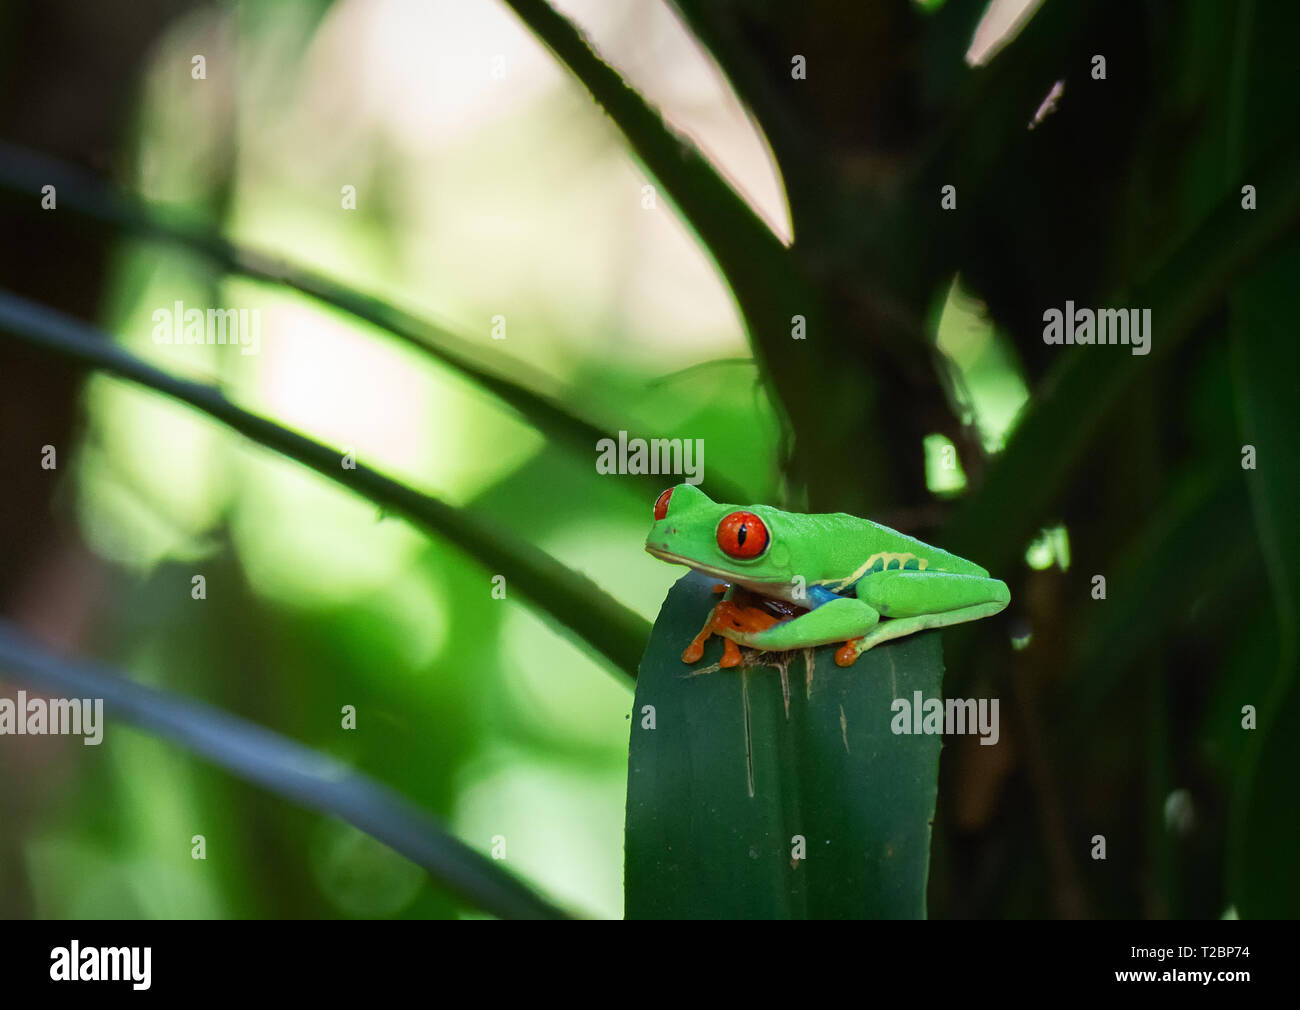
847 654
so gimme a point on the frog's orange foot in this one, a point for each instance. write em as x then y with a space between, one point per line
695 651
847 654
720 588
728 615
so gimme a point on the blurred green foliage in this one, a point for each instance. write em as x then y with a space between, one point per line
484 196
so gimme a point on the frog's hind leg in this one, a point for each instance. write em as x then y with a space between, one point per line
848 653
918 600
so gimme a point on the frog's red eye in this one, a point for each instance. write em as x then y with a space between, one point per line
661 505
742 535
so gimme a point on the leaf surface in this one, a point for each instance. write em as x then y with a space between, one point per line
721 786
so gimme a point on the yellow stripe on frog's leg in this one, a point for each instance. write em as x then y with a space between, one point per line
888 558
882 558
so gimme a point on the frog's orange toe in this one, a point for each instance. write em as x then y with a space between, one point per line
693 652
847 654
730 654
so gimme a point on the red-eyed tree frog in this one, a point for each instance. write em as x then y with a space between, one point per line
793 581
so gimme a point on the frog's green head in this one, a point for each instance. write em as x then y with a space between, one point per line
743 545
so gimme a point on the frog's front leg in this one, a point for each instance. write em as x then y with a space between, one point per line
836 621
737 620
727 616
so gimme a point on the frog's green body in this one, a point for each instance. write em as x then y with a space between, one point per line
849 572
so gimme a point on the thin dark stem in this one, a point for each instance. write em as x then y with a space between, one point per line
24 172
610 628
287 769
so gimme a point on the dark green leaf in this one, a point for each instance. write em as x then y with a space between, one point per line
721 786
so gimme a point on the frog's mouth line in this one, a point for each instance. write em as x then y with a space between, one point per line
774 591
